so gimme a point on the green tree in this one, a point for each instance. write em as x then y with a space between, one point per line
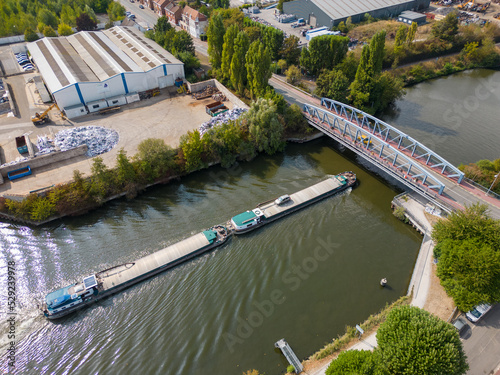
290 50
47 17
116 11
125 172
282 65
102 178
412 341
162 25
349 66
30 35
377 48
238 63
333 84
468 249
85 23
412 31
219 4
273 41
190 61
215 39
64 29
325 52
258 64
182 42
305 58
293 75
352 362
400 40
228 50
362 85
386 90
266 131
193 149
48 31
447 28
155 159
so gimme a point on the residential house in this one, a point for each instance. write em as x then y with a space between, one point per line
159 6
193 21
173 13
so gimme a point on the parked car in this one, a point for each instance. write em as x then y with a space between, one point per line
141 6
478 312
282 199
131 16
127 13
24 62
28 67
460 325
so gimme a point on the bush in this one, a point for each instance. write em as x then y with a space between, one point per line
399 212
290 369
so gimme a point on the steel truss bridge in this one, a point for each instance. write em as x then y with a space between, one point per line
395 152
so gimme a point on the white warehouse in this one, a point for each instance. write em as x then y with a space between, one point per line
91 70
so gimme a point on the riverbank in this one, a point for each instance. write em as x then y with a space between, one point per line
424 291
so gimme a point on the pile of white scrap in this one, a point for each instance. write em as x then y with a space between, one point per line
231 115
98 139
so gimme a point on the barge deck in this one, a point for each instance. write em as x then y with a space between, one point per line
104 283
269 211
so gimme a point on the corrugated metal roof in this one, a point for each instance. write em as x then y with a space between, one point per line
145 52
90 56
345 8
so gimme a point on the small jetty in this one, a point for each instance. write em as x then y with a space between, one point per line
112 280
289 355
273 210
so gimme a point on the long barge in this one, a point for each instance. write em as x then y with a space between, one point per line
273 210
112 280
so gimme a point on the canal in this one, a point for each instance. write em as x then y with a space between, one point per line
303 278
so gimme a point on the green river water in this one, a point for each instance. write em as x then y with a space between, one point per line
302 278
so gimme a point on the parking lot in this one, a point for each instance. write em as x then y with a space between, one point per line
267 16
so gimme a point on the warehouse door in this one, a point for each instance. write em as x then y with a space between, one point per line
312 20
165 81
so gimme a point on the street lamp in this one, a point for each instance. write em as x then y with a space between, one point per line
493 183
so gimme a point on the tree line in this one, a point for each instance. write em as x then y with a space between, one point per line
261 129
19 17
241 51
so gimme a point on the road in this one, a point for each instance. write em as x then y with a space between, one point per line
482 343
147 18
463 194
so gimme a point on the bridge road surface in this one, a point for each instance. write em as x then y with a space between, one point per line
453 191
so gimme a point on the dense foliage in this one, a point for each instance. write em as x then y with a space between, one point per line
178 43
483 172
468 253
19 16
411 341
241 51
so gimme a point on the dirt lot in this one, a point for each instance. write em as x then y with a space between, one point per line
167 116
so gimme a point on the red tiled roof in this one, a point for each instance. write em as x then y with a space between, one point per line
194 14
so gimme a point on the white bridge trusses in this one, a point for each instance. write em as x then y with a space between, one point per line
394 137
344 128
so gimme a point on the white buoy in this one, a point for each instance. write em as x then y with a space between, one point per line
383 282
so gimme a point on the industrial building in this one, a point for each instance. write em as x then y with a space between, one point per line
408 17
91 70
330 13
